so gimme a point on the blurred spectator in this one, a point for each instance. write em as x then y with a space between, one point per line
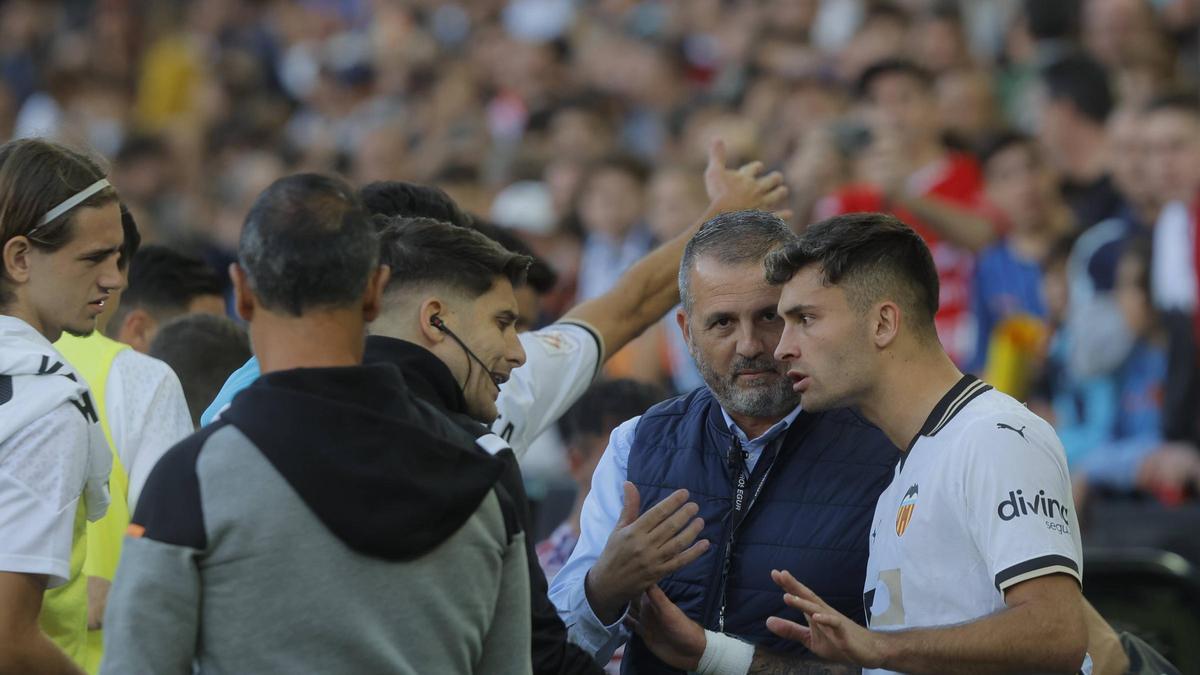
1172 468
202 349
1042 33
163 284
510 105
1101 340
1075 105
1007 297
1172 128
612 212
902 167
938 39
967 107
881 35
1119 445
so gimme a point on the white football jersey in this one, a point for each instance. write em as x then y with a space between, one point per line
561 360
981 501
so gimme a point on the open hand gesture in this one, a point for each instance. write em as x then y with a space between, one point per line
743 188
829 633
642 550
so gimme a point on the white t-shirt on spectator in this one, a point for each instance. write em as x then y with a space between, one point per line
981 502
561 360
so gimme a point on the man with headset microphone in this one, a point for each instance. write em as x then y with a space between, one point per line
564 357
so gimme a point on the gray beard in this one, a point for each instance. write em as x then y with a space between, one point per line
770 399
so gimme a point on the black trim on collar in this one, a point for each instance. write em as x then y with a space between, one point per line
962 393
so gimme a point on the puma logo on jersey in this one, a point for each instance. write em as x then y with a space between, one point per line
1020 432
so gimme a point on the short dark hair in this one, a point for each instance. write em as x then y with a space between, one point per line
732 238
540 276
605 405
871 255
164 282
1083 82
203 350
427 251
891 66
307 243
1002 141
398 198
410 200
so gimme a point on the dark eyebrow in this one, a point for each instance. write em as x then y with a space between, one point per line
796 310
100 253
717 316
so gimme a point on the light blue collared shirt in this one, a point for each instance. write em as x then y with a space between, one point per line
601 511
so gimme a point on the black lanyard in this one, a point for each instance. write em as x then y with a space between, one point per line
746 488
748 484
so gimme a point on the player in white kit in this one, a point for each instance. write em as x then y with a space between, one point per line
975 558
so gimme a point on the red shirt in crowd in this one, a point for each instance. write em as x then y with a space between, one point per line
957 179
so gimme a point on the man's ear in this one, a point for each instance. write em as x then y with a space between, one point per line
681 318
243 297
429 314
373 297
886 321
137 329
16 259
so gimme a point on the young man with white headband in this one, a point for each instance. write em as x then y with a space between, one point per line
61 232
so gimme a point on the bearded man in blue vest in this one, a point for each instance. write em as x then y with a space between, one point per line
704 494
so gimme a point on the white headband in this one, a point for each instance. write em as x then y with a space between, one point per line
71 202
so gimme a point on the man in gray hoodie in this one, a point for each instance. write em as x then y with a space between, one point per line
320 525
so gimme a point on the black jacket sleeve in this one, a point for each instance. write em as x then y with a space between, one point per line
552 653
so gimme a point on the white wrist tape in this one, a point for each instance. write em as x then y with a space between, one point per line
725 655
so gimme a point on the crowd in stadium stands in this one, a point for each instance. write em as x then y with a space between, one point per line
1047 151
1034 144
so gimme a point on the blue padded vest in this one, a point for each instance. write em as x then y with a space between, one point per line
812 516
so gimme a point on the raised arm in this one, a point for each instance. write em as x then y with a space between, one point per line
649 289
954 223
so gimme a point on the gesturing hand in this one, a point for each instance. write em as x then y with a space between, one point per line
642 550
742 188
667 631
829 634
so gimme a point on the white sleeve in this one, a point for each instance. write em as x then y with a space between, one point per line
601 511
42 471
1018 494
561 361
147 414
